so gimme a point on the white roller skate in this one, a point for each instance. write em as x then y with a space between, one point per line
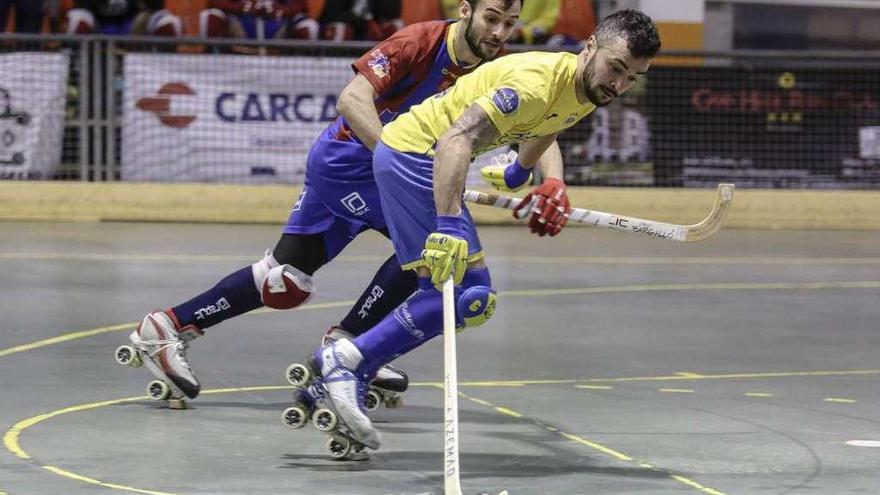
389 383
311 405
161 346
332 396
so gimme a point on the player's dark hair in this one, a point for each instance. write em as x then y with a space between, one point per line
635 27
507 3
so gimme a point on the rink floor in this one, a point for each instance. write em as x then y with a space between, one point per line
746 364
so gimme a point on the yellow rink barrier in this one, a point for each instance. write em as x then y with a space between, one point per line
154 202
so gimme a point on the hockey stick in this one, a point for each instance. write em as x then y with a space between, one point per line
451 466
451 477
671 232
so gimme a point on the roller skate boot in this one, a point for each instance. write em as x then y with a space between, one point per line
311 404
161 345
345 390
388 384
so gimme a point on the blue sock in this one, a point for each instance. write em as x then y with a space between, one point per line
232 296
416 321
390 287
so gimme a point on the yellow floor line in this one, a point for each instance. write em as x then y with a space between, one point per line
66 337
11 439
839 400
85 479
131 326
510 293
597 446
509 412
758 394
676 390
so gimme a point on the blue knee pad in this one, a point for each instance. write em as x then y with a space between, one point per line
476 302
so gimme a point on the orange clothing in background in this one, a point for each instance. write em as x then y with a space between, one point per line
576 19
188 11
315 8
414 11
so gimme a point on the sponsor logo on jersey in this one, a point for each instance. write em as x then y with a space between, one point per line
299 201
379 63
355 204
507 100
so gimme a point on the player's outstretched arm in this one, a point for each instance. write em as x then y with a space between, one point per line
356 104
548 202
515 176
546 153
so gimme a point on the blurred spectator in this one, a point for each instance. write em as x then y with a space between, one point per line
137 17
257 19
557 22
576 22
536 22
28 15
372 20
413 11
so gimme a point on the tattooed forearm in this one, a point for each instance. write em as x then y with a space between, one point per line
476 125
452 157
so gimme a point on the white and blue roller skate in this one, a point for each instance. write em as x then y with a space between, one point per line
388 384
332 396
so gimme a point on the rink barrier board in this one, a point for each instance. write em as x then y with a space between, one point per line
271 204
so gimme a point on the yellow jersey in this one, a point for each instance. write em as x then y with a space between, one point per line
526 95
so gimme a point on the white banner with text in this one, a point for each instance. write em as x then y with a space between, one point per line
225 118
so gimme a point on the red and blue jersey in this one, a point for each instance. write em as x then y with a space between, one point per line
405 69
340 198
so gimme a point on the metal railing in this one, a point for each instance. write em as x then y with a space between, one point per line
759 118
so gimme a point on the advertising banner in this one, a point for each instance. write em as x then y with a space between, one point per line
764 127
225 118
33 89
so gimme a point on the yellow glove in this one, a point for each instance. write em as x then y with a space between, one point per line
511 177
445 255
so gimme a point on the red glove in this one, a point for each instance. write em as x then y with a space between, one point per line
550 210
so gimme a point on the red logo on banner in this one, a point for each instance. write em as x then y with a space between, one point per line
160 104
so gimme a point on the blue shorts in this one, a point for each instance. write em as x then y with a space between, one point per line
271 27
340 198
120 28
406 189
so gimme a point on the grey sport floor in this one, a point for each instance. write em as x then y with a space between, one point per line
747 364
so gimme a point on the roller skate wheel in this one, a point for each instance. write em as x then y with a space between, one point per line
298 374
127 356
295 417
373 400
324 420
338 447
158 390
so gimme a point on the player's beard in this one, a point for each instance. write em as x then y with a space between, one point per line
472 43
595 94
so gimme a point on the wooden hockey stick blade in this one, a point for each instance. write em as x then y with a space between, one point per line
672 232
